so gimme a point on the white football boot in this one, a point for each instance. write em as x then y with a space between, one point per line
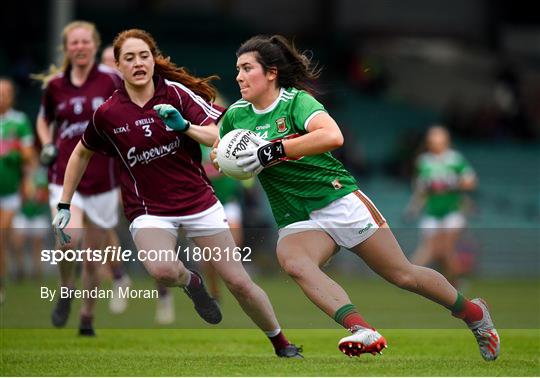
363 340
485 333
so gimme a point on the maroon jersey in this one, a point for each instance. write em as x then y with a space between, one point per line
71 108
161 170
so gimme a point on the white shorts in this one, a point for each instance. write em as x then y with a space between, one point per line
430 225
36 226
348 220
209 222
11 202
101 209
233 212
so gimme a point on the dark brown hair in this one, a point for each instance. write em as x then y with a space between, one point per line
293 68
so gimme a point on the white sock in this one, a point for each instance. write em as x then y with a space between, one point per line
273 333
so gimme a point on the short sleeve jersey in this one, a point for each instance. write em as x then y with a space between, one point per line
15 132
160 172
439 175
295 187
71 108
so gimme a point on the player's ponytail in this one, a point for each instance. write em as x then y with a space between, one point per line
165 68
294 68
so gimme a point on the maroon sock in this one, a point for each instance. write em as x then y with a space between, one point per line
86 321
163 291
279 341
194 280
117 272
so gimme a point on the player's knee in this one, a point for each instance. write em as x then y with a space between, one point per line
293 266
166 275
404 279
239 287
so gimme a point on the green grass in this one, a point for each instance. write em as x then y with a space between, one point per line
423 339
219 352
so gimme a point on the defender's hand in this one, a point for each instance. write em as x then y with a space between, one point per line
48 154
172 117
60 222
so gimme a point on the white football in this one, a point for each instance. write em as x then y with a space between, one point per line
231 143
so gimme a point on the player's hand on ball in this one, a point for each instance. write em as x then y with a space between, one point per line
48 154
60 222
172 117
213 159
264 155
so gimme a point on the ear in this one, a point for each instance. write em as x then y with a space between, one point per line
272 74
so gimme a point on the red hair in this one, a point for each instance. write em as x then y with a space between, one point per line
165 68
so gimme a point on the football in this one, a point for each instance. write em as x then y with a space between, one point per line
232 143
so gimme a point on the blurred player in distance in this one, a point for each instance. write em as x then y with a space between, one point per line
167 190
107 57
32 223
71 95
17 160
120 279
316 219
443 176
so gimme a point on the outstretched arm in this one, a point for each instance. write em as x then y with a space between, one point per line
206 135
75 169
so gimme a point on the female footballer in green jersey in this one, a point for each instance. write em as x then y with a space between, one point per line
443 176
316 202
17 159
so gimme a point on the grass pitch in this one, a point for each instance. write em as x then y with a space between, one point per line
142 352
423 339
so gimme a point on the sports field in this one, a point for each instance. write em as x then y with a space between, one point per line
423 340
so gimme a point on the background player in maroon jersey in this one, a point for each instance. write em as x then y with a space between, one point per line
163 183
71 95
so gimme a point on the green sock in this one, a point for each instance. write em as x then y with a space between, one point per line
344 311
458 306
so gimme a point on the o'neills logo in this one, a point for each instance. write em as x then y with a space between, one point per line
239 143
147 156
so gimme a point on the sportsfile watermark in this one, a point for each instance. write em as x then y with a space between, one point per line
117 253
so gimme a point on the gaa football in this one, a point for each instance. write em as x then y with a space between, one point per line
232 143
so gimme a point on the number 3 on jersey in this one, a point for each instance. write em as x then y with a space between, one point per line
147 131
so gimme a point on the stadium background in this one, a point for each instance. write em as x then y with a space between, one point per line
391 69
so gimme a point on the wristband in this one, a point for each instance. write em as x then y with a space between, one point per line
271 153
63 206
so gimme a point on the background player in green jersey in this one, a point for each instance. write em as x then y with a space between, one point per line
16 160
442 178
316 202
32 223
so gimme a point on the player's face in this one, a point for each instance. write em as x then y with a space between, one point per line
136 62
80 47
6 96
438 140
107 57
253 81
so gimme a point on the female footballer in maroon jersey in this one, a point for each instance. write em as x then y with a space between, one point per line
163 183
71 95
